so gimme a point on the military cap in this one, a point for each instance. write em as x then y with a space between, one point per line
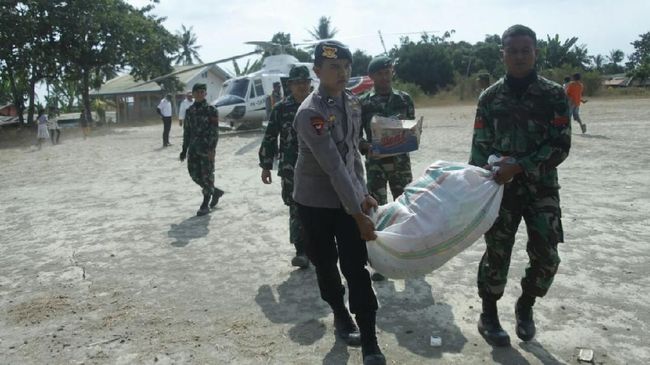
199 86
379 63
331 50
299 73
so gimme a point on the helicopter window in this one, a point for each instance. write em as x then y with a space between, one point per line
252 93
238 88
259 89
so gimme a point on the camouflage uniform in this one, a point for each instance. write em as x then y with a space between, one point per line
281 122
533 128
396 170
200 136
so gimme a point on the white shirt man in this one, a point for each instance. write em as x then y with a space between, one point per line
165 107
165 111
186 103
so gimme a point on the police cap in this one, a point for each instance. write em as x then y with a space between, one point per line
331 50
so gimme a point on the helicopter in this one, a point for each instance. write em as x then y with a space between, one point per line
242 103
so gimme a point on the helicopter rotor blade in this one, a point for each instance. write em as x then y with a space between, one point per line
197 67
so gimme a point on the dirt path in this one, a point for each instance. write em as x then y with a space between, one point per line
102 260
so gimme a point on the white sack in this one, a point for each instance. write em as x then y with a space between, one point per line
439 215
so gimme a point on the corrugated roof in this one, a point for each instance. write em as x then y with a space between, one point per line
125 84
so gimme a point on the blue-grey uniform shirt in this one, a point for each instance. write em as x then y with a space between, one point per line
329 171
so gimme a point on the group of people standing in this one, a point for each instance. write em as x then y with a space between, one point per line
47 126
319 138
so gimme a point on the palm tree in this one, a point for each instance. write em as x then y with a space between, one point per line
616 56
323 30
598 61
188 52
554 52
248 68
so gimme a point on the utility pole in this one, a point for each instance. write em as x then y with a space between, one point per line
382 42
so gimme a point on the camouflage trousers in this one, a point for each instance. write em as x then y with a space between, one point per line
540 209
201 170
296 234
394 170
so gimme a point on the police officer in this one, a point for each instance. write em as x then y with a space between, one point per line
384 101
523 116
333 200
281 123
200 136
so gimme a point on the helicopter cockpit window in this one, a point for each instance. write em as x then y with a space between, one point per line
251 95
238 88
259 89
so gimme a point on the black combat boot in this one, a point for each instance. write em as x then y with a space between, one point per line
345 328
489 326
376 276
524 315
203 209
369 348
300 260
218 193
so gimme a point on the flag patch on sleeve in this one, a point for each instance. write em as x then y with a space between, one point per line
560 120
479 123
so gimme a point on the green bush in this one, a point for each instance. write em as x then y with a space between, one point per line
591 80
412 89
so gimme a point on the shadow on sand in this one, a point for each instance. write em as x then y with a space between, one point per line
297 302
189 229
591 136
413 316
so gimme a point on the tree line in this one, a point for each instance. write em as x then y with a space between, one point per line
433 63
74 46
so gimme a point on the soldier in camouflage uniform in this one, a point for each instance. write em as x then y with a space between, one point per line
281 123
523 116
384 101
200 136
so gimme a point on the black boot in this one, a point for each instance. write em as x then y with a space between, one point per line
369 348
203 209
489 326
300 260
345 328
218 193
524 315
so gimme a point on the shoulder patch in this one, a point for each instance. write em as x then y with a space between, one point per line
318 123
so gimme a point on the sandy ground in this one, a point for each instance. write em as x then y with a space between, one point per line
102 260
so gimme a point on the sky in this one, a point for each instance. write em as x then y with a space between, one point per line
223 26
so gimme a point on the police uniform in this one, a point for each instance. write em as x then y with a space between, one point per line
281 124
200 137
526 119
394 170
329 187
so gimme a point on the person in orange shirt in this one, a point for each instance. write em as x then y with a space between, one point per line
574 92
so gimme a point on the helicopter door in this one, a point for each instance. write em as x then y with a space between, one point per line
257 100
